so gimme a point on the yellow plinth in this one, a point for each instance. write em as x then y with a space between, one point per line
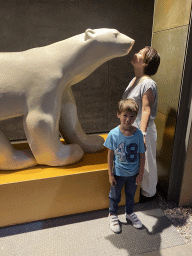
45 192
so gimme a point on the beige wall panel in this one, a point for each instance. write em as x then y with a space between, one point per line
171 46
171 14
165 138
160 124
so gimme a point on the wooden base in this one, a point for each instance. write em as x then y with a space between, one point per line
45 192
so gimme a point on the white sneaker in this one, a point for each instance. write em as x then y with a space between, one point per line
114 223
134 219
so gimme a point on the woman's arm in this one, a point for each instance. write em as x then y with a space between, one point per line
110 167
147 103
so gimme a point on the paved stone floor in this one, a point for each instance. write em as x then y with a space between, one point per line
89 234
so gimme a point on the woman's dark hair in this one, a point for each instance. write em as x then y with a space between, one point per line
152 59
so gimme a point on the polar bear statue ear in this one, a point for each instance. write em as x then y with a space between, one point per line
89 33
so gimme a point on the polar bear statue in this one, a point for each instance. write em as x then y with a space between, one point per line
36 84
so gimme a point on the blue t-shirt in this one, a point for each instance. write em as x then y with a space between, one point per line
126 151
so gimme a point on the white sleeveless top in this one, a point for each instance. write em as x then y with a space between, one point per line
137 93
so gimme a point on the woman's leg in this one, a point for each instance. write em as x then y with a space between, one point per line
115 195
149 183
148 186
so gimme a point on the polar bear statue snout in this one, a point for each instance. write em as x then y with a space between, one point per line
110 39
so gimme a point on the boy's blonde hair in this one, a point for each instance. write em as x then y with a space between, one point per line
129 105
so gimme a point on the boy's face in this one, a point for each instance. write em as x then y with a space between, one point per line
126 119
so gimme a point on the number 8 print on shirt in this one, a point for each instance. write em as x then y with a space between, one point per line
130 153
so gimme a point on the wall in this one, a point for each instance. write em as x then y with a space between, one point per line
186 188
26 24
170 30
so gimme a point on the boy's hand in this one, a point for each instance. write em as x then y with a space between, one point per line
112 180
139 179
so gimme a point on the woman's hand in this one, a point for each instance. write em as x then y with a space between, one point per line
139 179
112 180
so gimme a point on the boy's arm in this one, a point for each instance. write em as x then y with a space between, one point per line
139 177
110 167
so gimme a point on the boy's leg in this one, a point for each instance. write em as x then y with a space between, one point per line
130 189
115 195
114 199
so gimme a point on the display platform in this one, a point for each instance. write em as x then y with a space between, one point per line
45 192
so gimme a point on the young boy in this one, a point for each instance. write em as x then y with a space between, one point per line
126 160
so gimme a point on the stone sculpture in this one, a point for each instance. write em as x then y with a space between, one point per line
36 84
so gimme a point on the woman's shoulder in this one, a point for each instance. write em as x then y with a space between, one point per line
148 84
149 81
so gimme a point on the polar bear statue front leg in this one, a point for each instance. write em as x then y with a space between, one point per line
41 127
70 127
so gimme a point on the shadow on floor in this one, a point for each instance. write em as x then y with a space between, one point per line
66 220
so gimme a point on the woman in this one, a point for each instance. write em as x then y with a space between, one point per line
144 91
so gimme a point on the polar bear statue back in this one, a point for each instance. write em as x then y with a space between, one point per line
36 84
